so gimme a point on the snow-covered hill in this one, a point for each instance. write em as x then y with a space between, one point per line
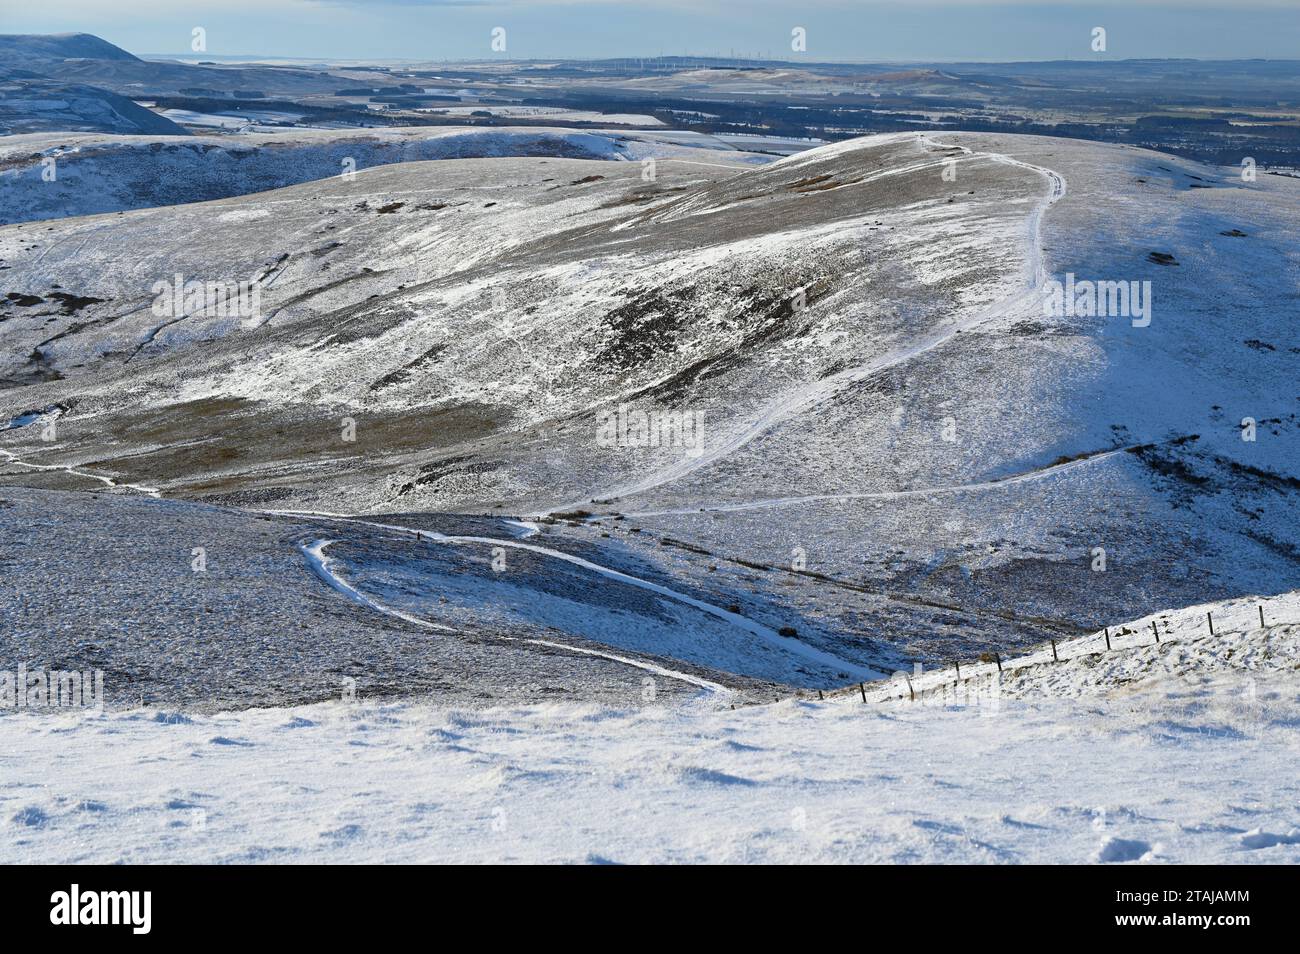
94 174
35 105
412 476
897 442
57 47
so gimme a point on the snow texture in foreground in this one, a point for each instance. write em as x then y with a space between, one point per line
1183 765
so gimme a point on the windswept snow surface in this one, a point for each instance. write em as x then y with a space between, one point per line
1186 763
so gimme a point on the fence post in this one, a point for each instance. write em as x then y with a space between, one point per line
1261 618
1055 658
863 689
910 690
1156 631
957 663
1210 617
1107 639
997 658
819 694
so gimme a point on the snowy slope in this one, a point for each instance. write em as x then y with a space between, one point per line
33 106
205 608
900 447
1190 764
1248 635
56 47
98 174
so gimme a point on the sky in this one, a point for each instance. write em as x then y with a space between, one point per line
835 29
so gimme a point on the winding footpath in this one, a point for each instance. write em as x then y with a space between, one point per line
324 567
995 483
16 461
51 414
787 645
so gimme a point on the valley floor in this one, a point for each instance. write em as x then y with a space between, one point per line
1191 760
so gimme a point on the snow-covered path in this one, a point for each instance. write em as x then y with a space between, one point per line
800 401
792 646
1179 752
994 484
16 461
324 568
51 415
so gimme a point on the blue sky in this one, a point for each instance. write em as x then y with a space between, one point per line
836 29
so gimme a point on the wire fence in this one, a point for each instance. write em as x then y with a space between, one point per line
990 665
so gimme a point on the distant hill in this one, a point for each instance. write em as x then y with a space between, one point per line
78 82
60 46
28 106
86 59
